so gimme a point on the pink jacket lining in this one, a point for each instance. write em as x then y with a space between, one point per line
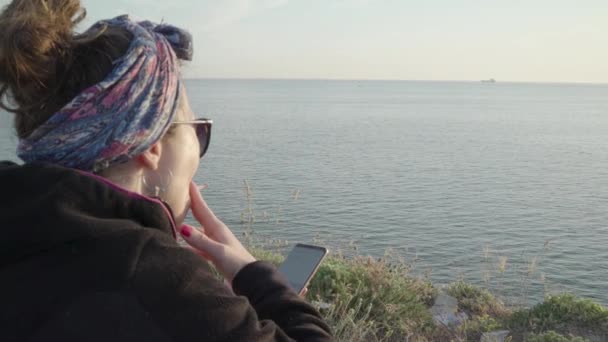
135 195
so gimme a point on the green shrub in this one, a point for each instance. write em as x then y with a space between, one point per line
552 336
396 303
563 313
476 301
263 254
480 324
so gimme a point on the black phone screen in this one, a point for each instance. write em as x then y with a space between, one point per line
301 264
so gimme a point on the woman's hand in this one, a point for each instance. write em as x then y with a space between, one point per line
214 241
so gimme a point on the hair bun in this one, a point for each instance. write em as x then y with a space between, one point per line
36 38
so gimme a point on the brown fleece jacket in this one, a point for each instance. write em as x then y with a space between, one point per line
83 260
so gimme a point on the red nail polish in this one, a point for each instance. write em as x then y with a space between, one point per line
186 231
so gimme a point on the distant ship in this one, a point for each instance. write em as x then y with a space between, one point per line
491 80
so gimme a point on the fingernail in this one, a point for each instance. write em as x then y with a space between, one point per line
186 231
202 187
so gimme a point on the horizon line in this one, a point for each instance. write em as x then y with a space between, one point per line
389 80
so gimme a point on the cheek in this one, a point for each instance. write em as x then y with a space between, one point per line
185 164
195 143
186 152
193 151
190 158
184 161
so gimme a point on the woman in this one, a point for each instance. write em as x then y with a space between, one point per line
90 221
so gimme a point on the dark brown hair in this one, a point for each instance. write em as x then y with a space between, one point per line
44 64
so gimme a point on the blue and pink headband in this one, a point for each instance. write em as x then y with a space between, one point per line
123 115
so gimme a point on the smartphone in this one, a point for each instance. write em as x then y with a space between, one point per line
301 265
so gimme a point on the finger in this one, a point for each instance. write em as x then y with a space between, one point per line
228 284
199 252
304 292
200 210
200 241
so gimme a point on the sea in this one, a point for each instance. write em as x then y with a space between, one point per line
504 185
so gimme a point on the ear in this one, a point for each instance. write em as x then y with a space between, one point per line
151 157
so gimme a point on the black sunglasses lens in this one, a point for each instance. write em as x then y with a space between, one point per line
203 133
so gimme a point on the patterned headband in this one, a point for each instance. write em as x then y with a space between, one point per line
123 115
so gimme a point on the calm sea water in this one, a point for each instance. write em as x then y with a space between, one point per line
455 177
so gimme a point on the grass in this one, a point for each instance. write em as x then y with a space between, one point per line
476 301
393 302
565 314
552 336
371 300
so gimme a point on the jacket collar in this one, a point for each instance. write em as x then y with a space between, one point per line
136 196
44 205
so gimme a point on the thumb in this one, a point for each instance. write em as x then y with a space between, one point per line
200 209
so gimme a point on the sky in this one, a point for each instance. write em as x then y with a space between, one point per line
508 40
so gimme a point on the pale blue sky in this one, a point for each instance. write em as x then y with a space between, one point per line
510 40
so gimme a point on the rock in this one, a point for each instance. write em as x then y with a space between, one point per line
446 301
450 319
321 305
445 311
495 336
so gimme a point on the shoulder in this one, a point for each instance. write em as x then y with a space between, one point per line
102 316
162 263
181 293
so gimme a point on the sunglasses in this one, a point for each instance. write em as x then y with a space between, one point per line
203 132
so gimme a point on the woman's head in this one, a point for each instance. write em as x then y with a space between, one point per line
43 64
101 101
